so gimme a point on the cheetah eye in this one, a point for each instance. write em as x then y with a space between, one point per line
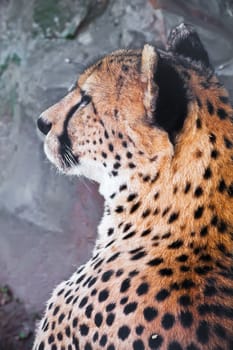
85 100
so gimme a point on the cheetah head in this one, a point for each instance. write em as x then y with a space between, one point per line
124 111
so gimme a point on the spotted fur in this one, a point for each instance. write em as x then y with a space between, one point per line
154 128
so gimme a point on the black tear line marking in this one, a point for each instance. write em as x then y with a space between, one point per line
64 139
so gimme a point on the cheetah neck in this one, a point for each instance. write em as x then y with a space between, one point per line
151 208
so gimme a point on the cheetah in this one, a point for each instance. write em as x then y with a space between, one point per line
154 128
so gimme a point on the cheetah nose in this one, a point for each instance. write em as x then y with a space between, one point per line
44 125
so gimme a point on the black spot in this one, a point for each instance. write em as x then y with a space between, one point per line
204 231
129 308
142 289
184 268
98 319
173 217
123 332
187 187
110 307
168 321
187 284
186 319
176 244
203 270
83 302
67 331
132 165
138 345
129 155
155 262
124 300
198 192
209 290
110 319
116 165
222 186
59 336
207 174
103 340
111 347
150 313
205 257
166 235
222 226
227 142
146 178
110 231
104 155
75 322
214 154
214 220
127 227
219 331
155 341
174 345
165 272
135 207
119 209
131 197
230 190
123 187
139 329
146 232
125 285
139 255
106 134
113 257
110 147
125 68
202 332
88 346
210 107
146 213
198 123
103 295
182 258
61 318
41 346
222 113
84 329
129 235
198 212
51 339
185 300
107 275
92 282
212 138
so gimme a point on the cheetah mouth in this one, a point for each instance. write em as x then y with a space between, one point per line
60 154
67 157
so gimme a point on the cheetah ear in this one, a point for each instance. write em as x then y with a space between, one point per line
183 40
148 67
172 100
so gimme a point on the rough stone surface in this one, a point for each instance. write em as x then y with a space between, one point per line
47 221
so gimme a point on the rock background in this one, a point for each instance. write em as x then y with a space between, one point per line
47 221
